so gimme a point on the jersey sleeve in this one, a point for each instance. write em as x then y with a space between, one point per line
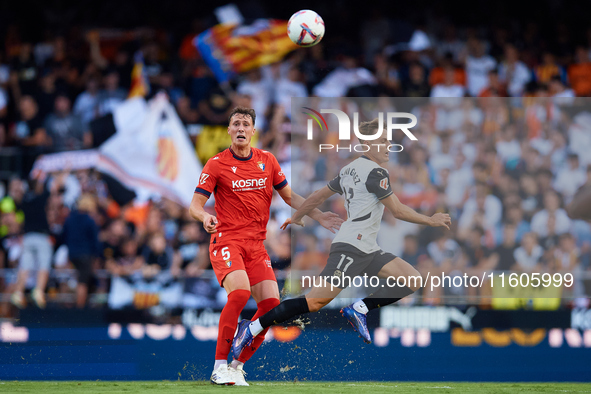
279 180
335 184
207 180
378 183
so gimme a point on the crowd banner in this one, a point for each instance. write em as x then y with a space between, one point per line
69 161
140 293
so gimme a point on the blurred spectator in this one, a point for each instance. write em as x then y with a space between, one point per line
280 250
80 235
309 257
476 252
3 114
127 260
346 76
528 256
449 87
579 73
387 75
12 204
416 85
557 89
29 130
4 71
495 88
157 255
411 251
437 75
549 69
515 219
112 236
37 245
503 256
566 255
513 72
478 65
86 103
444 252
47 93
460 179
570 178
442 158
552 220
450 44
152 66
508 147
289 87
63 127
260 91
23 72
111 95
189 256
482 209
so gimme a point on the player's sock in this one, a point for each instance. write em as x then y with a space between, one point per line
236 363
360 307
282 312
255 327
228 322
218 363
386 296
262 307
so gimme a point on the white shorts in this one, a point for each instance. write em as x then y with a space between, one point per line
37 252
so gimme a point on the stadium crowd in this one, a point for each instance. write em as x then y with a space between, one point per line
504 168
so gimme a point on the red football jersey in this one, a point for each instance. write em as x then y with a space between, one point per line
243 188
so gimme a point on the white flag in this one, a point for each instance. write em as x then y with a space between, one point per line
152 153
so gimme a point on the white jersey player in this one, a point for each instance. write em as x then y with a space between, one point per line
365 185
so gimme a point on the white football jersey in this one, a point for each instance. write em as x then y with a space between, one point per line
363 183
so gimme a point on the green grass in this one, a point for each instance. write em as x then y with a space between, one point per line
290 387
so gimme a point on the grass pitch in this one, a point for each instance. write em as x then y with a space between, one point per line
289 387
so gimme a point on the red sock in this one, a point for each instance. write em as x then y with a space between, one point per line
228 322
263 307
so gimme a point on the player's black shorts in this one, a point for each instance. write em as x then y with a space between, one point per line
347 260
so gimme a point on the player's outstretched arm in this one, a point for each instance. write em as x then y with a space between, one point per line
329 220
406 213
196 210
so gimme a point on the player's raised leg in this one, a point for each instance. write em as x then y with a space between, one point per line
238 288
355 313
315 300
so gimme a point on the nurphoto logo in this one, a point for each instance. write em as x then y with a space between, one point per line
345 129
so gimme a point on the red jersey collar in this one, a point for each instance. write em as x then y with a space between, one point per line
242 158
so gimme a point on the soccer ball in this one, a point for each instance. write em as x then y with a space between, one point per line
305 28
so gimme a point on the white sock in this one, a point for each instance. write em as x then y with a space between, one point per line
255 327
218 363
360 307
236 364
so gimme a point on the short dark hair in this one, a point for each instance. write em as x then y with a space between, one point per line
368 128
244 111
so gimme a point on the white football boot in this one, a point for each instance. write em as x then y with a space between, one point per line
239 374
223 376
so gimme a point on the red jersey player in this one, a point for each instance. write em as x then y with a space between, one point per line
242 179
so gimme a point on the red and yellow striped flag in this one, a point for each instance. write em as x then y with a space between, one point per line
231 49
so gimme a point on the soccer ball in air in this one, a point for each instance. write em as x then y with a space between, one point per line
305 28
